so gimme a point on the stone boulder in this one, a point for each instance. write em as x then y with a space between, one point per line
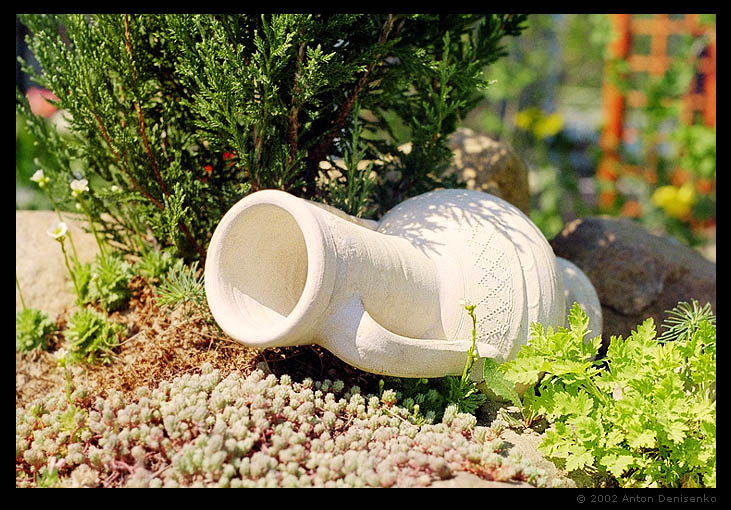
39 264
480 163
484 164
636 274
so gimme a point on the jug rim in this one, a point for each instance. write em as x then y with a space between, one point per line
297 326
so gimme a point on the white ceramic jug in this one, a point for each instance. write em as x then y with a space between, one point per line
385 296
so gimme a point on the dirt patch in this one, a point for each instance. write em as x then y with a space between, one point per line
163 344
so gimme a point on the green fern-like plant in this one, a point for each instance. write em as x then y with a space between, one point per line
91 337
32 330
109 283
645 416
181 286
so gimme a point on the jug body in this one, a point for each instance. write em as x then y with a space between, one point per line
384 296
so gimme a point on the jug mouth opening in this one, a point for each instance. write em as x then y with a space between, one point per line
265 270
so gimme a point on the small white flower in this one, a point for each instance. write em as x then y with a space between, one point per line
40 178
37 176
466 303
60 355
78 186
58 231
78 206
115 188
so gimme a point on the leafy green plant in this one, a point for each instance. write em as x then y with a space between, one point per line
186 114
32 330
154 264
506 390
645 416
425 398
91 337
81 273
181 286
109 283
463 390
433 396
32 327
684 320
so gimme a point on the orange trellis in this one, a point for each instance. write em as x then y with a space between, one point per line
700 100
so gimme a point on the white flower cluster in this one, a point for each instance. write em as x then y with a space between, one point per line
257 431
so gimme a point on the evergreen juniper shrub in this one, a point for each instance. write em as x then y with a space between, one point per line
172 118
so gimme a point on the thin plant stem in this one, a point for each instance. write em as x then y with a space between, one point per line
60 218
73 277
471 351
135 227
93 229
17 284
68 383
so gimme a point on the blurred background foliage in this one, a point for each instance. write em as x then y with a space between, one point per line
545 100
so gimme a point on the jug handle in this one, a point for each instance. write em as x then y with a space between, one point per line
355 337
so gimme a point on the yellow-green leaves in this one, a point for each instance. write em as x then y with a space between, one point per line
638 437
91 337
617 464
568 405
33 329
498 383
524 370
644 415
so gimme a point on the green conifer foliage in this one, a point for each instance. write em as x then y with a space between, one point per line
186 114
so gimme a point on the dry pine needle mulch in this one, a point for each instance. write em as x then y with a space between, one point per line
162 344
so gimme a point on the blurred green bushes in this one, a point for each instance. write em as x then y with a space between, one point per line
546 102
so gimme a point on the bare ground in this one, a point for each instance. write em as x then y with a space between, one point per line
164 344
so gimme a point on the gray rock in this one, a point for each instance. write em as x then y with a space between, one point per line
484 164
465 480
636 274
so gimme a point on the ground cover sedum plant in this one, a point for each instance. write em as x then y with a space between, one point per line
642 417
207 429
204 430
